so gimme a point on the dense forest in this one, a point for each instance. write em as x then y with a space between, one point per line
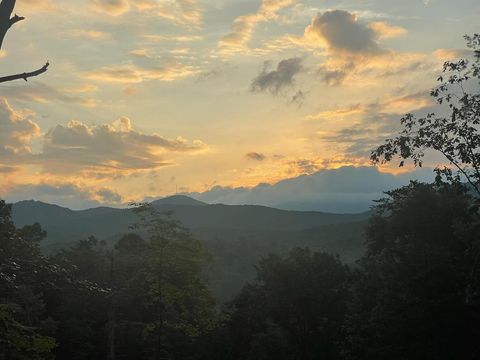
414 293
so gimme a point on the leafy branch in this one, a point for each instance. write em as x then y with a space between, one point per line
456 135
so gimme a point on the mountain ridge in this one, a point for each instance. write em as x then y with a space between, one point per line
237 236
65 226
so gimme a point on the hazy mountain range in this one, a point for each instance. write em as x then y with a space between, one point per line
346 189
65 226
237 235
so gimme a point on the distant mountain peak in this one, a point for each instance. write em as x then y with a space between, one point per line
39 205
178 200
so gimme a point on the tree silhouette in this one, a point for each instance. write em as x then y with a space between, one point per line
456 136
6 22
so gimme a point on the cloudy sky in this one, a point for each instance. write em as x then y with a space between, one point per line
144 97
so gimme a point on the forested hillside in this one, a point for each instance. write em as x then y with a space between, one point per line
236 236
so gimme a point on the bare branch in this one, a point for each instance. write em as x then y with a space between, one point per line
6 21
25 75
16 19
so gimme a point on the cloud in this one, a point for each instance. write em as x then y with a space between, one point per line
298 98
175 38
112 7
8 169
397 105
181 12
255 156
88 34
142 53
109 148
42 93
306 166
345 45
106 150
336 75
369 124
386 31
82 89
16 132
74 196
341 32
452 54
276 80
36 6
346 189
359 139
244 26
130 74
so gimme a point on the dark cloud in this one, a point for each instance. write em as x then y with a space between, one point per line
65 194
276 80
336 76
109 196
306 166
255 156
347 189
112 7
8 169
298 98
344 33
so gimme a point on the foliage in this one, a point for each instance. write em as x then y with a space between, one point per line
177 295
294 311
416 292
19 342
455 136
23 334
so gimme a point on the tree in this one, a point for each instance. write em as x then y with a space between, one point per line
295 310
416 291
180 304
23 334
19 342
6 22
457 135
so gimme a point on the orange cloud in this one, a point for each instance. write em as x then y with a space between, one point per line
386 31
36 6
131 74
108 148
95 151
244 26
181 12
16 132
89 34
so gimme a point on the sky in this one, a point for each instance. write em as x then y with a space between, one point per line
147 98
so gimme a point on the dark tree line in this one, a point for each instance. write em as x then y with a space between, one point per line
143 299
415 294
